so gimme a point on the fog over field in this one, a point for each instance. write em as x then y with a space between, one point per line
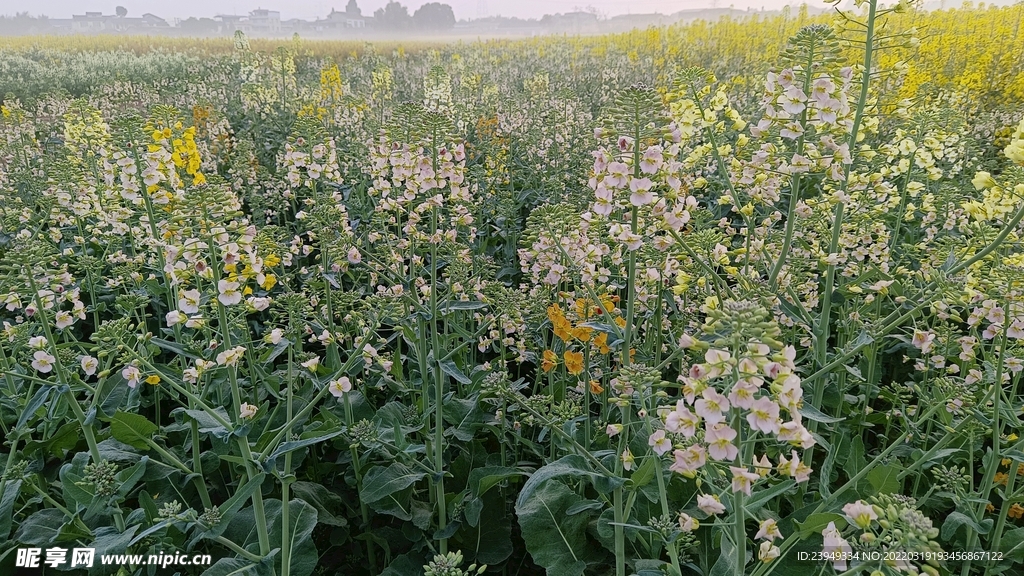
311 9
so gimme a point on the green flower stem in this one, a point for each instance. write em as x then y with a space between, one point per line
822 330
237 549
673 549
988 478
442 506
364 510
69 395
263 534
50 499
739 532
286 549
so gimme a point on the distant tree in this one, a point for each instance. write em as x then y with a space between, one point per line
23 24
393 16
121 11
199 26
352 9
434 16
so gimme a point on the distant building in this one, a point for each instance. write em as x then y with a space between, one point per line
264 22
229 23
92 22
341 20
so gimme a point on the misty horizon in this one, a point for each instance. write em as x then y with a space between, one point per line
313 9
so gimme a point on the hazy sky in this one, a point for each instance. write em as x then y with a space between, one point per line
311 9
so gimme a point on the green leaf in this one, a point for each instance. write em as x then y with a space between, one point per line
759 499
330 507
1012 545
286 447
132 429
460 305
450 368
174 347
232 505
556 541
301 521
483 479
570 465
37 401
954 520
884 479
129 476
380 482
236 567
812 413
11 490
815 523
40 528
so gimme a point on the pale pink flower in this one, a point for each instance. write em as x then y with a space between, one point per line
719 438
768 552
742 393
229 294
742 480
768 530
923 341
711 406
132 374
682 421
687 523
43 361
835 547
247 410
188 301
860 513
627 460
340 386
688 461
764 416
89 365
659 442
710 504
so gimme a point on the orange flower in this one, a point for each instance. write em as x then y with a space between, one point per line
989 507
582 333
573 362
582 304
550 361
620 322
1001 478
602 343
1016 511
595 387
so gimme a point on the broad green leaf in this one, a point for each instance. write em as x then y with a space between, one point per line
11 489
37 401
555 540
812 413
954 520
380 482
236 567
452 369
132 429
571 465
301 521
483 479
815 523
329 506
41 528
